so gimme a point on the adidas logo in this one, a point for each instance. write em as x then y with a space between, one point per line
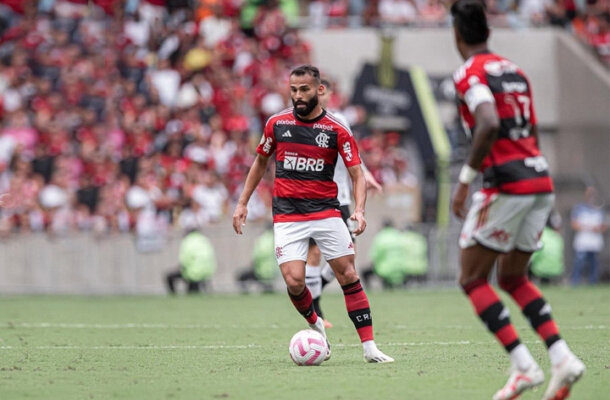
287 134
546 309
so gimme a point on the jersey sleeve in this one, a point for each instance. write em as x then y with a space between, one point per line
348 148
267 144
471 86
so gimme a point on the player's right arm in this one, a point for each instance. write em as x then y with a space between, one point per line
481 104
258 169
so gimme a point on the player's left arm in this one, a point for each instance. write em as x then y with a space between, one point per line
371 182
359 185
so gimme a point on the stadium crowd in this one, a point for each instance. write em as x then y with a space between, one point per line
123 115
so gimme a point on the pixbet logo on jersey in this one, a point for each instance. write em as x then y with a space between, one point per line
298 163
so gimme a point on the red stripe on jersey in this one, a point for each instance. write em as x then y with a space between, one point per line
304 189
529 186
307 217
505 150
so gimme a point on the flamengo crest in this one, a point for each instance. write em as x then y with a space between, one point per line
322 139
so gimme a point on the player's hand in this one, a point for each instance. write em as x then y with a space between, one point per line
458 204
239 218
358 216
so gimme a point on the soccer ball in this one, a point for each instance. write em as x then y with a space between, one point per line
308 347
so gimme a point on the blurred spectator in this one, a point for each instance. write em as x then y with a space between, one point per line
215 27
397 12
589 222
547 264
397 256
197 263
103 93
212 196
534 11
57 203
264 269
433 13
593 28
146 201
600 38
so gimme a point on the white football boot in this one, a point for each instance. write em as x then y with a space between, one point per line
563 376
373 355
519 381
319 326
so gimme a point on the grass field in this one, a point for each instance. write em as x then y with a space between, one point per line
235 347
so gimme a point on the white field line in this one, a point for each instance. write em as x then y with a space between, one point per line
48 325
220 347
53 325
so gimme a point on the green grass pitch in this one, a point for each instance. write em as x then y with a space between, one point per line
236 347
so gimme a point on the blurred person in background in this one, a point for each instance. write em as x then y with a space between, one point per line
547 264
506 217
264 268
397 256
196 263
589 222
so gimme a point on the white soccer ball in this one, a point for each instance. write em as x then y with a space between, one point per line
308 347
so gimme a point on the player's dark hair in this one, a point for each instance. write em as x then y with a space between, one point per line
307 69
470 20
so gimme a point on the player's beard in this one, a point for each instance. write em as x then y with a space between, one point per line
309 106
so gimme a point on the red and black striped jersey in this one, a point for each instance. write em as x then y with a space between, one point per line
306 153
515 164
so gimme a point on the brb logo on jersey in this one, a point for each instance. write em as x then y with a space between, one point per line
294 162
322 140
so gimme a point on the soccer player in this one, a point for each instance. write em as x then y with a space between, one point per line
318 272
508 214
307 140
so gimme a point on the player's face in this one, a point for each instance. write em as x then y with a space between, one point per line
304 94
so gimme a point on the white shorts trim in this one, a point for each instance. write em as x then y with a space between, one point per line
505 222
330 234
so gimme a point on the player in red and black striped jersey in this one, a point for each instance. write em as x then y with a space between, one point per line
307 141
507 216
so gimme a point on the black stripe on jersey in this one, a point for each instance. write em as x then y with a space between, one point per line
511 171
285 205
326 174
510 130
304 135
508 82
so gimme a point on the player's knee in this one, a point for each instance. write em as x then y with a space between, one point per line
294 285
466 279
347 276
510 283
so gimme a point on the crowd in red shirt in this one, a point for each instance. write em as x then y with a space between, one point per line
122 115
